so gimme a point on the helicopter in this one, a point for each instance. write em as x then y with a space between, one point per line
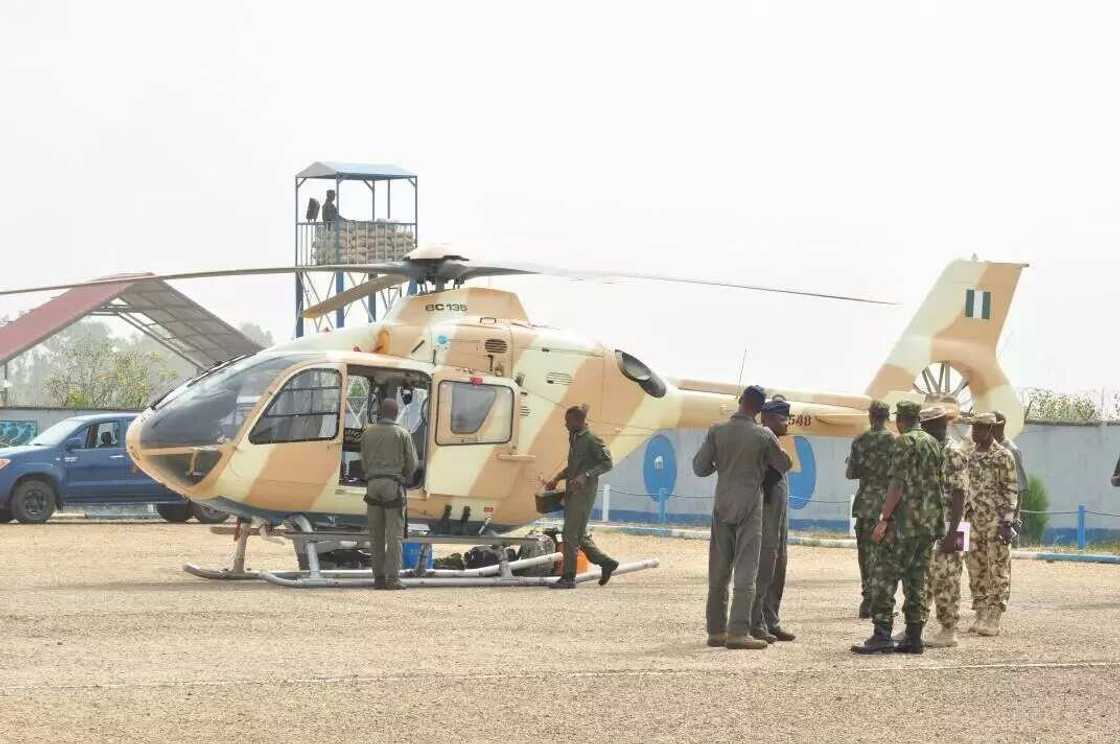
274 437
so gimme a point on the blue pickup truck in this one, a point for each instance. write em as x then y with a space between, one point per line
83 461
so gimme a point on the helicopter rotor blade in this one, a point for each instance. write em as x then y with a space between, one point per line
473 272
354 294
445 268
386 268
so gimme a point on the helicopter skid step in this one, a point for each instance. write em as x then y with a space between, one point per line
222 574
337 579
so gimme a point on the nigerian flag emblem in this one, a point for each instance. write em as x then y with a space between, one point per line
978 304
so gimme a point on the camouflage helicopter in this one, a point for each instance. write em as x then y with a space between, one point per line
273 437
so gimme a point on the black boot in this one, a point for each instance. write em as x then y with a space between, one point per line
879 643
913 643
865 609
607 568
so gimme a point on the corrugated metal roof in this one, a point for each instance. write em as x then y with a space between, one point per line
357 171
32 328
151 306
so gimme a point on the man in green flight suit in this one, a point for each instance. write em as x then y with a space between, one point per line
588 458
389 462
870 463
913 518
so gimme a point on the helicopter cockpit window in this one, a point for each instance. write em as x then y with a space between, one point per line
211 408
474 414
635 369
306 409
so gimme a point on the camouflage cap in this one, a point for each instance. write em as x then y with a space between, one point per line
908 409
932 413
984 419
879 408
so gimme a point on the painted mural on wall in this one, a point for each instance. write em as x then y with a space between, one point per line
17 433
803 474
659 470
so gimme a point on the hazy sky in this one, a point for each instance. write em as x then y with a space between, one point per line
842 147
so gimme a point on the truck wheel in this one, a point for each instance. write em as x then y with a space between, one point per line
6 516
206 515
174 512
33 501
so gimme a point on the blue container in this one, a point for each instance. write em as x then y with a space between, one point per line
412 555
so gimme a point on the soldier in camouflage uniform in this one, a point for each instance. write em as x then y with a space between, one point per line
588 458
869 462
911 520
945 569
991 510
1000 435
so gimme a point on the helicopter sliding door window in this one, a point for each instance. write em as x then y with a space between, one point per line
305 410
474 414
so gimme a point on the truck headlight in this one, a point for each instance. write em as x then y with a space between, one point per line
3 463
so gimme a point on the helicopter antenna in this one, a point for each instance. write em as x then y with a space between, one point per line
742 367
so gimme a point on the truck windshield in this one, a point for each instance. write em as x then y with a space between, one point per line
56 435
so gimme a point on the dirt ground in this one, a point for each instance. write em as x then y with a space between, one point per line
105 639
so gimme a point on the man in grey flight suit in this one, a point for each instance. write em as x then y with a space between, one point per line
766 613
388 461
738 450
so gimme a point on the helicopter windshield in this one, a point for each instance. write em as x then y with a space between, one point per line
210 409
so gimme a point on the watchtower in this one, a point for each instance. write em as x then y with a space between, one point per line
337 227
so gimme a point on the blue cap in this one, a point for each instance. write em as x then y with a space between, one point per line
779 407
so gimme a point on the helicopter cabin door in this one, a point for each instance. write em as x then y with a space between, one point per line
294 448
474 440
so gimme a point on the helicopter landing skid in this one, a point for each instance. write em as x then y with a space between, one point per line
305 539
236 571
336 579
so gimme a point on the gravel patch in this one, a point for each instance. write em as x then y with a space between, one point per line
107 640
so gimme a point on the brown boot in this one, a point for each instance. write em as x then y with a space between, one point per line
990 628
783 636
763 634
947 638
717 640
745 643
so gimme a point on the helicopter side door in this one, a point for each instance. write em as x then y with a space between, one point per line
293 452
474 439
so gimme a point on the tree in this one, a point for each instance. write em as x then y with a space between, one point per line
255 333
101 372
84 366
1036 500
1048 406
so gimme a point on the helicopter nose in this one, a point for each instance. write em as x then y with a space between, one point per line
179 464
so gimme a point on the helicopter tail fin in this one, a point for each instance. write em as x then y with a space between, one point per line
948 351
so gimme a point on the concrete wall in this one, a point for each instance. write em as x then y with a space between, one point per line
1075 462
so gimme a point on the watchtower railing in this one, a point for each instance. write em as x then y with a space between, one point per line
353 242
